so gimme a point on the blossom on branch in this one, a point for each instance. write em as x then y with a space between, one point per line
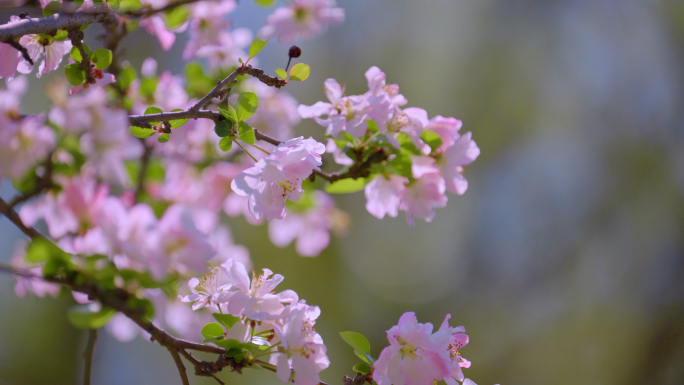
279 177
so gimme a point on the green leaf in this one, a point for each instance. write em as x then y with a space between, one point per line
76 4
61 35
26 182
224 128
177 122
400 165
175 17
129 5
265 3
246 133
357 341
226 320
132 25
148 86
113 4
152 110
126 77
281 73
212 330
372 126
226 143
102 58
362 368
82 318
257 45
87 49
42 250
300 71
52 8
229 344
198 83
230 115
141 132
364 357
347 185
163 138
76 54
74 74
431 138
236 354
246 105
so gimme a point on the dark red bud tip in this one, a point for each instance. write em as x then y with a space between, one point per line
295 52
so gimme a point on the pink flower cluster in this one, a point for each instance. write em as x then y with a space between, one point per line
279 177
304 18
434 171
291 321
417 356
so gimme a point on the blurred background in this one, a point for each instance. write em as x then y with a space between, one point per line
565 258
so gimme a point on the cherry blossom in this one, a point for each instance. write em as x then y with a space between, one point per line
415 356
384 194
304 18
38 46
300 351
279 177
344 113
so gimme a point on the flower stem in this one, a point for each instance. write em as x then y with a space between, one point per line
246 152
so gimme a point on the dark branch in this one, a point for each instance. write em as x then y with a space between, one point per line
12 215
50 24
179 364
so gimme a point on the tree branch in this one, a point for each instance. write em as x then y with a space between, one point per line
179 364
12 215
88 355
51 24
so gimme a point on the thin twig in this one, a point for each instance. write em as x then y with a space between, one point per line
12 215
144 163
179 364
88 355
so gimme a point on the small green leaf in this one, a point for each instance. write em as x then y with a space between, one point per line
177 122
362 368
126 77
87 49
129 5
246 105
347 185
74 74
372 126
226 320
76 54
228 115
76 4
212 330
300 71
113 4
163 138
357 341
265 3
431 138
224 128
281 73
52 8
102 58
246 133
132 25
148 86
61 35
152 110
226 143
175 17
82 318
232 113
230 344
236 354
257 45
364 357
141 132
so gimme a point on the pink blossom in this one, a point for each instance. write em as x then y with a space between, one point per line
311 228
425 193
411 122
304 18
154 25
254 299
384 194
206 291
384 99
415 356
279 177
344 113
301 352
463 152
53 51
9 60
457 340
447 129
